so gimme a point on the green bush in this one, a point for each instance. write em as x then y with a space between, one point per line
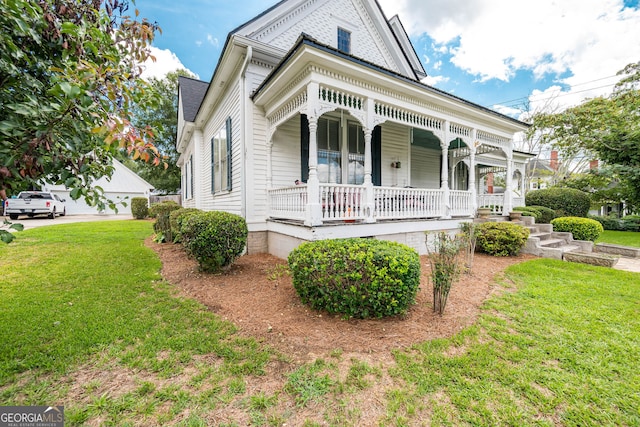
175 221
359 278
167 207
139 207
608 222
501 238
545 214
529 212
162 226
215 239
631 223
563 201
581 228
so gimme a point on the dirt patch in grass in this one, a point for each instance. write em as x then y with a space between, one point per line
260 300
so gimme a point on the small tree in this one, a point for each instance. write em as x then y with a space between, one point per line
469 236
445 268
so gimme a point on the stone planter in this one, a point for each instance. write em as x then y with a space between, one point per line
515 216
484 212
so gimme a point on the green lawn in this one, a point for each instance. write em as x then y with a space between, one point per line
87 322
625 238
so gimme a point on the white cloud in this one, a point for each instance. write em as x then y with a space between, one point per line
434 80
213 40
590 39
166 61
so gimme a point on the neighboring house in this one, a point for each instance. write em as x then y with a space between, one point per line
543 173
328 92
123 185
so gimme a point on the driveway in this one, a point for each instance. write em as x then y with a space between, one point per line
41 221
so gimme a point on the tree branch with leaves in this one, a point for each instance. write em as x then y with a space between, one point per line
69 84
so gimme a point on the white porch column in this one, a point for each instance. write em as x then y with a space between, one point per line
508 193
314 208
444 176
472 173
269 169
369 203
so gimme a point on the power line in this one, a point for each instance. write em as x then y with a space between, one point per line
562 95
526 97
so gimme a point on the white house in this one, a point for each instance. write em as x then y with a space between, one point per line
329 92
123 186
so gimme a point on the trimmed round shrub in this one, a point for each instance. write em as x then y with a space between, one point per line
501 238
546 214
215 239
139 207
359 278
564 201
175 221
167 207
529 212
581 228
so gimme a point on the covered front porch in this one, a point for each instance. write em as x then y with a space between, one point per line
370 146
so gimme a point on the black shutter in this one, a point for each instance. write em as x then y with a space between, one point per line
191 180
304 148
229 153
213 166
376 156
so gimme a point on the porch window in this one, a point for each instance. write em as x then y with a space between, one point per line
356 154
221 159
329 151
344 40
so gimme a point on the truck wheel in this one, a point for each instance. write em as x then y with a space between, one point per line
13 216
52 215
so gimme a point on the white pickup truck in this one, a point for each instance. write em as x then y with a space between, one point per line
32 203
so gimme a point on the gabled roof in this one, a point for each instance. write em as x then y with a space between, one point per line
192 92
123 180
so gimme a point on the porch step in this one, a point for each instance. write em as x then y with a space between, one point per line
558 252
594 258
552 243
625 251
546 243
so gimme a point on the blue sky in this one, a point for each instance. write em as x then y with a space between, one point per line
503 54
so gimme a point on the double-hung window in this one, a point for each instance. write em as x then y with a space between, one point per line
344 40
221 159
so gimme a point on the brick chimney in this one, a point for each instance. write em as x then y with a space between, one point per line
593 164
490 183
553 162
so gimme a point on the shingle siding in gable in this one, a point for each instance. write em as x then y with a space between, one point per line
322 25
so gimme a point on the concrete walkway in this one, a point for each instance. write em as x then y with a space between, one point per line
628 264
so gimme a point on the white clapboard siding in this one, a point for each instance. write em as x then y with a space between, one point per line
425 167
395 148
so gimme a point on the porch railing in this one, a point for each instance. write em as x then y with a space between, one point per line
288 202
342 202
401 203
493 201
459 203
